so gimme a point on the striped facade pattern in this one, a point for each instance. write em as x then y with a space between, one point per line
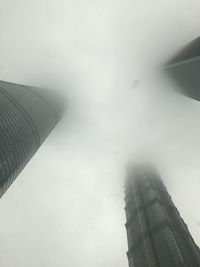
26 119
157 235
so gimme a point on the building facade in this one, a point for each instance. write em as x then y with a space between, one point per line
157 235
184 70
26 119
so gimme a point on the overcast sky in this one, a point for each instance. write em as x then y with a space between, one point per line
66 208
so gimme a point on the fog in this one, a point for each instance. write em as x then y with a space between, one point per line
67 207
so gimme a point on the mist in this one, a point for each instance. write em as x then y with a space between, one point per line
67 207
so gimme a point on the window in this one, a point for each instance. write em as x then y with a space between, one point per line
155 214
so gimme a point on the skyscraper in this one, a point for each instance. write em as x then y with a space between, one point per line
184 69
157 235
27 116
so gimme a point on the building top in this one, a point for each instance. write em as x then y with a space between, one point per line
26 119
139 171
50 97
157 235
189 52
184 69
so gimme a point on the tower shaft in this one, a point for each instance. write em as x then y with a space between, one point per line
157 235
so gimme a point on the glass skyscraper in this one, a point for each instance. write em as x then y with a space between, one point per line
157 235
184 70
27 116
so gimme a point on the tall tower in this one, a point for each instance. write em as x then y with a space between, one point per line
184 69
157 236
26 119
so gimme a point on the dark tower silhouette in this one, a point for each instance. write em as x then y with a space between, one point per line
26 119
157 236
184 69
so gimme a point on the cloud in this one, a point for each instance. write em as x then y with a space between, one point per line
66 207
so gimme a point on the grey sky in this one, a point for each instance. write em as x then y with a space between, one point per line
66 207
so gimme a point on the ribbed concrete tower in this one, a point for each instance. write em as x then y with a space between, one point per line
26 119
157 236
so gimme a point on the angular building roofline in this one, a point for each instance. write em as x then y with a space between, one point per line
189 52
184 69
